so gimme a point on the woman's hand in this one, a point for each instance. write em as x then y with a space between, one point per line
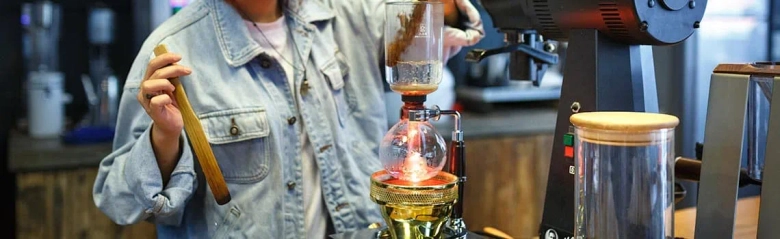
454 38
156 94
156 97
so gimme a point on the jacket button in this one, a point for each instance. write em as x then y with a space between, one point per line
265 62
290 185
326 147
233 127
341 206
291 120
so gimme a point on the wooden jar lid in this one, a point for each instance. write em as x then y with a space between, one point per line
624 128
757 68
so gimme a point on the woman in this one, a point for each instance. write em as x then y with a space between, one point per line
289 94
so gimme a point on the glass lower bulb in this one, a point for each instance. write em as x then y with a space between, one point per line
412 151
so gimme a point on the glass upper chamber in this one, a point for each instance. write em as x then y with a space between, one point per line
413 46
412 151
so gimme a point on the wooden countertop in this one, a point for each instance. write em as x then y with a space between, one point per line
29 154
746 225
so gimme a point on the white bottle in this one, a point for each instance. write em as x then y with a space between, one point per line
45 104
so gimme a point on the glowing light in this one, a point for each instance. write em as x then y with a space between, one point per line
412 151
415 168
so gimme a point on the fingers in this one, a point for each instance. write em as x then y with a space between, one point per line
156 82
465 7
156 91
158 103
152 89
474 30
171 71
155 86
160 62
457 37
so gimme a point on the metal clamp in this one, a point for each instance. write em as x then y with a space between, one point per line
435 113
425 114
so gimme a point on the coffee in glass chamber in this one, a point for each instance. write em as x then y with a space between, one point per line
413 46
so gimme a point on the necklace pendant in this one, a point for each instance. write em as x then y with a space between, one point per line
305 87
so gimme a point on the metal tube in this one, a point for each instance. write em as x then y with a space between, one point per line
457 166
687 169
457 134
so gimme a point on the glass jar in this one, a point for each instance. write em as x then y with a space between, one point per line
758 108
624 173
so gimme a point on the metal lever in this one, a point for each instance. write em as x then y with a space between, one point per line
477 55
526 61
690 170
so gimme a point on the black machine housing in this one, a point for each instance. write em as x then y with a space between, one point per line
609 67
630 22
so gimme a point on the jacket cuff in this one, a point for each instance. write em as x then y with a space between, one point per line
144 179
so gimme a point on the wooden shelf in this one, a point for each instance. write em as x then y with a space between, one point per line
28 154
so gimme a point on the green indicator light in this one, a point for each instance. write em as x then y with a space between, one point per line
568 139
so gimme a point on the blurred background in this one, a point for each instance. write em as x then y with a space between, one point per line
64 63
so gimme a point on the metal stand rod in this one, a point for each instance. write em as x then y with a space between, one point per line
720 173
769 210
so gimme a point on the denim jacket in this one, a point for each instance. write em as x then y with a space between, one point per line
235 83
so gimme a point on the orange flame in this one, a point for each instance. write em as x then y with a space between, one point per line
415 166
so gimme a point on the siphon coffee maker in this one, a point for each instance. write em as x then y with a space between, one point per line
421 187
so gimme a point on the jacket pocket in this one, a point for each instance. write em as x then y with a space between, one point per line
349 93
333 74
239 139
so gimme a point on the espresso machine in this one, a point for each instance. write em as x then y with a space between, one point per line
609 67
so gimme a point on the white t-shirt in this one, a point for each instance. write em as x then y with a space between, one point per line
314 207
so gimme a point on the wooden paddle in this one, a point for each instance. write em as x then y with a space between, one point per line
197 138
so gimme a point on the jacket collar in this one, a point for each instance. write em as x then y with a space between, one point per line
236 43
